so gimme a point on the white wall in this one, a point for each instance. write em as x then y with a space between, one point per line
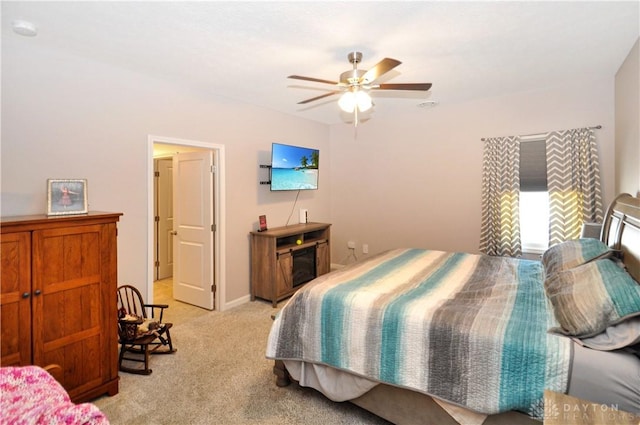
627 107
414 179
67 117
409 179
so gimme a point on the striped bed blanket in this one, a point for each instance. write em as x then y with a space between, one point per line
468 329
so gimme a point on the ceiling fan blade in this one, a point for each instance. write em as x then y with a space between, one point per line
382 67
317 80
406 86
318 97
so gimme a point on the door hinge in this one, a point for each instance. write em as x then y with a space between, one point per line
213 169
156 173
157 263
157 218
213 227
213 288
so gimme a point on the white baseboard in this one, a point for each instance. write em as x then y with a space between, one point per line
247 298
235 303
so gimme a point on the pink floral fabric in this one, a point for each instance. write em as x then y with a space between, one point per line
30 396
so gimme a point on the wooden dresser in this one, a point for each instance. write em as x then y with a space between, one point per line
58 298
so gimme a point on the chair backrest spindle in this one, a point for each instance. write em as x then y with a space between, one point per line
130 299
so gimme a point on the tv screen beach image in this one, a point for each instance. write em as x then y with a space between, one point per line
294 168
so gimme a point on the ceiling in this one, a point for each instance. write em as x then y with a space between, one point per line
245 50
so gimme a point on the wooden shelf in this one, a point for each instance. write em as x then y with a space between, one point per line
273 258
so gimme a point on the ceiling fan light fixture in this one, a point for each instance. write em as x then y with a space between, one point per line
347 102
355 85
352 99
363 100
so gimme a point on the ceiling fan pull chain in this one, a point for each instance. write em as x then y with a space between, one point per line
355 110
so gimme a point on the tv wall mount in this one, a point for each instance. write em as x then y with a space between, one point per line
265 181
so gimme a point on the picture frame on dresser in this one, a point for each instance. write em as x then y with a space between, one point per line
67 197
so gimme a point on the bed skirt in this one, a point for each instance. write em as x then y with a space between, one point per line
398 405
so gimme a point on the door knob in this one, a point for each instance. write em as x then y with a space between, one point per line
37 292
174 233
25 295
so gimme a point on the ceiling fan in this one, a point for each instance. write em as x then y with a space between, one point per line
356 84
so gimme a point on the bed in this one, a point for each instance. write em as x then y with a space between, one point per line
423 336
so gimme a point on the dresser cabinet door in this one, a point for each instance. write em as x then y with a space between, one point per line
68 306
284 274
15 299
323 261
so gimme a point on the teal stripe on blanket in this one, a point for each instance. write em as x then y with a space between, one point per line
524 389
394 316
334 320
623 292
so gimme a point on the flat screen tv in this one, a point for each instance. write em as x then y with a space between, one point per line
293 167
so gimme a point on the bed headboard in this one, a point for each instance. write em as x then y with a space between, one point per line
621 231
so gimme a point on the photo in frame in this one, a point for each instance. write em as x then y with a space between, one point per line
263 223
66 196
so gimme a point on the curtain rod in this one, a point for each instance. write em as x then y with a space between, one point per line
595 127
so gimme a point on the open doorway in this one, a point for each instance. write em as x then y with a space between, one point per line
181 248
163 214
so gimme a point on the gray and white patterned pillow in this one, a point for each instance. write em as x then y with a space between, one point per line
573 253
589 298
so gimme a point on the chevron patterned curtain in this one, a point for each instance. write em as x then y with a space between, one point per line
573 180
500 231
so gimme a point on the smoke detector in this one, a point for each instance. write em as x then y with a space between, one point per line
25 28
427 104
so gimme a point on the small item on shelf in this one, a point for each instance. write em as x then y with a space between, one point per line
304 216
66 197
263 223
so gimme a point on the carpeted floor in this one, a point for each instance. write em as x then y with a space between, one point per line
219 375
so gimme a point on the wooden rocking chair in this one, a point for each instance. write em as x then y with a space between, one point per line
139 334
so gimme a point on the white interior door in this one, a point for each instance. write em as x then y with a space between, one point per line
164 217
193 228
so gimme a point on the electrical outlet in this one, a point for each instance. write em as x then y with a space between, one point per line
365 248
351 245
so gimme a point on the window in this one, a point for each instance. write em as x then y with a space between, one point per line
534 197
534 221
513 166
